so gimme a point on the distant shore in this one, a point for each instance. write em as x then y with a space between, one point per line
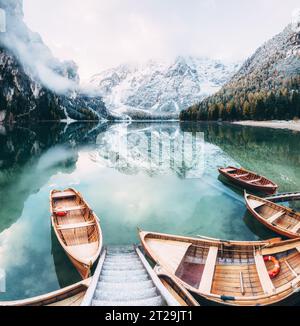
276 124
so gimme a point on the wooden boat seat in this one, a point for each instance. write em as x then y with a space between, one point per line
256 204
209 271
83 251
69 209
291 268
263 274
255 180
242 285
242 175
273 250
275 217
75 226
63 194
296 228
167 252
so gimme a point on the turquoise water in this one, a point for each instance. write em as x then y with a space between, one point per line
161 177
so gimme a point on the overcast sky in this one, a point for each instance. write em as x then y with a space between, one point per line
100 34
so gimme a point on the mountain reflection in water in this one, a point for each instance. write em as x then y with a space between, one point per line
158 176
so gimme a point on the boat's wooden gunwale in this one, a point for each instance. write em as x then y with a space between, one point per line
269 223
280 293
188 298
82 265
52 297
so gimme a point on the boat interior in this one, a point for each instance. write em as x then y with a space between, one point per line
68 300
221 270
176 291
248 177
229 270
276 215
78 226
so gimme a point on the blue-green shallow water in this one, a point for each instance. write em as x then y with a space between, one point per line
161 177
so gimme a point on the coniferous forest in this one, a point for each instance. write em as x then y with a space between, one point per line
251 103
266 87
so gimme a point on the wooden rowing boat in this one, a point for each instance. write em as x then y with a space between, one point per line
249 180
70 296
179 293
77 228
280 219
228 272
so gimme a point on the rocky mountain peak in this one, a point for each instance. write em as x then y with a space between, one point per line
159 87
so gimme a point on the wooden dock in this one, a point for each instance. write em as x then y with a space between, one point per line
284 197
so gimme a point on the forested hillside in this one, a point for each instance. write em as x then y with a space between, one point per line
266 87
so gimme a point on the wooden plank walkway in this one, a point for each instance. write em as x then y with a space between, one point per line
124 278
284 197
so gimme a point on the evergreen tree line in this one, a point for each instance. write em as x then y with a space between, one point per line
277 99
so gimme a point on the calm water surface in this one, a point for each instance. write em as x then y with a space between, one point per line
160 177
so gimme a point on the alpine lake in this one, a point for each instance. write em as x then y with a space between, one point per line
160 177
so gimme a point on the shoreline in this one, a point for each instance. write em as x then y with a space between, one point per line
275 124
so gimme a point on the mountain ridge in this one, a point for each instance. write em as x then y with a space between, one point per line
34 84
160 87
267 86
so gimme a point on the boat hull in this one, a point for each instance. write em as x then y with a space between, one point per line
281 297
270 226
81 265
83 270
70 296
270 190
289 300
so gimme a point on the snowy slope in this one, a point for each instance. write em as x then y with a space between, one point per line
160 87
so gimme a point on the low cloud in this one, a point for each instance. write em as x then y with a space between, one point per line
36 58
39 65
296 20
102 34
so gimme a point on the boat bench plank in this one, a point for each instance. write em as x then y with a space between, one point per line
296 228
63 194
173 252
263 275
274 250
209 270
290 268
243 175
255 180
69 209
256 204
275 217
75 226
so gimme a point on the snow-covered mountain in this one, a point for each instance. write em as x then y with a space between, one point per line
157 149
161 88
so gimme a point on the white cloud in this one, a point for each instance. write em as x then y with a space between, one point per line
296 20
99 34
2 21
